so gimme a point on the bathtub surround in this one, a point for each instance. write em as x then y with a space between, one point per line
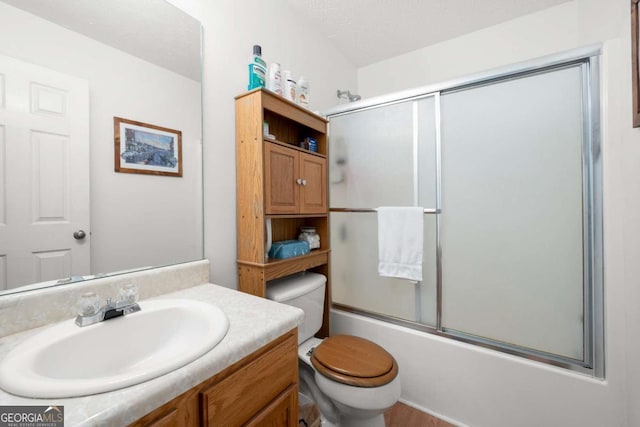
254 322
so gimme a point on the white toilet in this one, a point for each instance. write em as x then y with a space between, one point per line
352 380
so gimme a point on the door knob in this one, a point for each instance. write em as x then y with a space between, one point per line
79 235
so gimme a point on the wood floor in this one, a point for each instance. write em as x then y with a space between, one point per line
401 415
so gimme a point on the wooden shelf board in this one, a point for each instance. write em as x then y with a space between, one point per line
283 99
294 147
275 262
283 267
296 216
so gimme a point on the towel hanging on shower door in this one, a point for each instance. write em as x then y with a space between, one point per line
400 242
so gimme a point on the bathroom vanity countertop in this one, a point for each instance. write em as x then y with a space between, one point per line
253 322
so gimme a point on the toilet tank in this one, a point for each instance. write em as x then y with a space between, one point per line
303 290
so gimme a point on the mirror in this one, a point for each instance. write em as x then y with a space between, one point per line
68 68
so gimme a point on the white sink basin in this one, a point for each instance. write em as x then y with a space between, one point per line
68 361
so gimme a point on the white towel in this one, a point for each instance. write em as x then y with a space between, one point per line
400 241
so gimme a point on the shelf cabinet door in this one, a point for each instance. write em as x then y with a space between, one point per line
313 194
294 182
281 172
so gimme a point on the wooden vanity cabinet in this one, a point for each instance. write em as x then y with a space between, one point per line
282 183
259 390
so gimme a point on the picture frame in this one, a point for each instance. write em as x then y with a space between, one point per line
635 67
144 148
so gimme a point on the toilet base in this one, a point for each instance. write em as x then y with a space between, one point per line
356 417
307 386
331 411
377 421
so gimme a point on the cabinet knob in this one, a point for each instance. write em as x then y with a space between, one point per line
304 182
299 181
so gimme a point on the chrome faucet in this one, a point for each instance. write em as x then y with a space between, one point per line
91 312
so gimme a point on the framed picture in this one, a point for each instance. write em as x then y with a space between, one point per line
635 83
146 149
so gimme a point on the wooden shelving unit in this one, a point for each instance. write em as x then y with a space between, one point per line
279 181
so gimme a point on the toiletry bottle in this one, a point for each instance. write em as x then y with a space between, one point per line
257 68
303 92
274 83
289 87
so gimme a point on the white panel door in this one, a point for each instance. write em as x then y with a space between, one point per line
44 174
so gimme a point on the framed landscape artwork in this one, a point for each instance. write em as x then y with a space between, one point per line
146 149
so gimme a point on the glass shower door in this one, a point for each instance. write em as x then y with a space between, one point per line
382 157
512 164
512 213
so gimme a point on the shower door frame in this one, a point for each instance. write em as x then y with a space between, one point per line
588 59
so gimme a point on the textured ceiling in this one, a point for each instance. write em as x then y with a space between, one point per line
368 31
153 30
365 31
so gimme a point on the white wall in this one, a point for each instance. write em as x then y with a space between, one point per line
192 7
481 387
471 385
572 24
132 215
231 28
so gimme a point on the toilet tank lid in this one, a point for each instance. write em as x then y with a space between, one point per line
294 286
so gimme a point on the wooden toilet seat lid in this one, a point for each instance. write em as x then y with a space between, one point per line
354 361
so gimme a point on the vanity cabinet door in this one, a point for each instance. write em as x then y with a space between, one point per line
259 390
280 412
257 393
165 420
179 412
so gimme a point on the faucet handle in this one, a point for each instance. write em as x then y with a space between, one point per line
129 293
89 304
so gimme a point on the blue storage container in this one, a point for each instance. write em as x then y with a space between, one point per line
288 249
